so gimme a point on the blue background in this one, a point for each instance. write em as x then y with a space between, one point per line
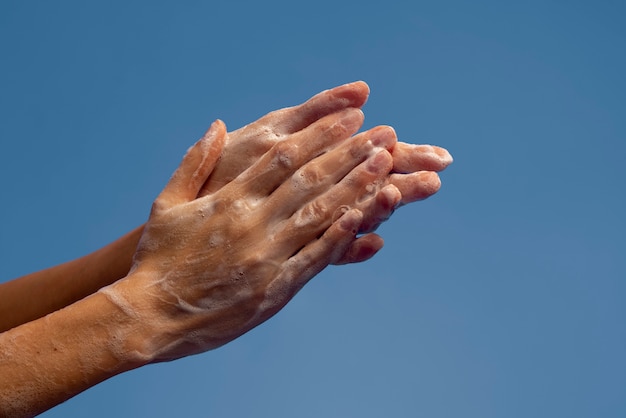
502 296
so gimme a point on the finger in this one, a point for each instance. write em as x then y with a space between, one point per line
409 158
416 186
313 258
195 168
314 217
362 249
285 157
379 208
319 175
246 145
296 118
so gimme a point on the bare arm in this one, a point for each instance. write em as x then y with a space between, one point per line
37 294
51 359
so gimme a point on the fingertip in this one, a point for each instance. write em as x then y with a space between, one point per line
381 162
444 156
386 201
359 84
362 89
219 125
430 180
416 186
362 249
215 131
351 220
376 241
383 136
195 168
351 119
368 246
210 147
355 93
390 196
410 158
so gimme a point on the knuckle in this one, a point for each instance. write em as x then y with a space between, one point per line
284 154
337 130
308 177
332 127
159 205
313 214
360 147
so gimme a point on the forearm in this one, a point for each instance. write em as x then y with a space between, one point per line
38 294
49 360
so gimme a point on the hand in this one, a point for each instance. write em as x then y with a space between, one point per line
414 175
414 172
209 269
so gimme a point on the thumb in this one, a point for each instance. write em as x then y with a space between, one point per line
195 168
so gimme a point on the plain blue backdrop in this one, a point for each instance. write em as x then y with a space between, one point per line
501 296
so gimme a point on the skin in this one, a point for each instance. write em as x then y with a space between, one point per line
269 231
203 272
414 174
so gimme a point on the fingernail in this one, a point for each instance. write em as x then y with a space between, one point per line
378 161
430 181
351 220
383 136
352 119
392 195
428 176
443 153
360 85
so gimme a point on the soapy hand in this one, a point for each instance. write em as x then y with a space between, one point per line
414 171
209 269
221 252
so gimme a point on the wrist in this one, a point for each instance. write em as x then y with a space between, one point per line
156 326
58 356
138 338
